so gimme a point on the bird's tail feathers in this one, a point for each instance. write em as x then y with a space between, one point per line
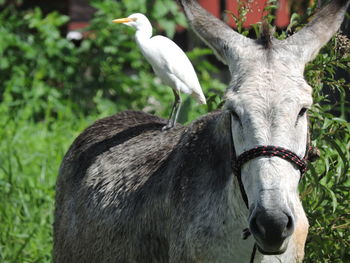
199 97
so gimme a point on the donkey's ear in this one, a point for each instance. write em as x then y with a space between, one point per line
309 40
224 41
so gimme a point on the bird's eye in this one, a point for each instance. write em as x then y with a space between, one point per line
302 112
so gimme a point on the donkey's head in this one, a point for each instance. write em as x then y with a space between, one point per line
268 99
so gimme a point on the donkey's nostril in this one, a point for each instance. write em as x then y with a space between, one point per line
257 227
254 228
270 228
290 225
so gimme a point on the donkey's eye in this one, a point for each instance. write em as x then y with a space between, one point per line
236 117
302 112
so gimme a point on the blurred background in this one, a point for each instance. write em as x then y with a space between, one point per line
63 65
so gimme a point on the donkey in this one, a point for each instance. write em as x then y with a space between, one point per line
129 192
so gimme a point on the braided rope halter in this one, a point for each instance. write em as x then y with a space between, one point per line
268 151
311 154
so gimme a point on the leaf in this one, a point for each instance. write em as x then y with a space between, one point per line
334 199
160 9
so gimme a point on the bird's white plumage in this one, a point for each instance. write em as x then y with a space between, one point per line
168 61
172 66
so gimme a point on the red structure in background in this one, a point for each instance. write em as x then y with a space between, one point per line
255 13
283 14
80 12
213 6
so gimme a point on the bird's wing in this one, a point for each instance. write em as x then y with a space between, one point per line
170 59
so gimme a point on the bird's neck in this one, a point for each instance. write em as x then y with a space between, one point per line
143 34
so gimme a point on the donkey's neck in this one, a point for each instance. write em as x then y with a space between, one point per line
207 197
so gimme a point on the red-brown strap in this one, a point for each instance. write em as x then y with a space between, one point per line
270 151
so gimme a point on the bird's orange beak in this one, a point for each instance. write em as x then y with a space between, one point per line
122 20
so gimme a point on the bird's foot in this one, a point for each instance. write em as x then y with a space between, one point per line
168 126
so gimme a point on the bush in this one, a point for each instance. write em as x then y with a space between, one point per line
326 189
106 73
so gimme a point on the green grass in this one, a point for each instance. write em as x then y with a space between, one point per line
30 155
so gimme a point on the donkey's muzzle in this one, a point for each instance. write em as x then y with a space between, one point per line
271 229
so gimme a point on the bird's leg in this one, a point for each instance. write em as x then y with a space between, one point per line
174 112
169 122
171 115
178 103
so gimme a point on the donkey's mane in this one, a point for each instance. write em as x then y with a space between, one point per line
266 36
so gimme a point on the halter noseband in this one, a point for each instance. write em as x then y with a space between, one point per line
269 151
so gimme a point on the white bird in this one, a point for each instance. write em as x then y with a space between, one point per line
168 61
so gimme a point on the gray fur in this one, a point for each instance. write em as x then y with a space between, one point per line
128 192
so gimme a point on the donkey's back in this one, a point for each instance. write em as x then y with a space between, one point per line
122 185
109 192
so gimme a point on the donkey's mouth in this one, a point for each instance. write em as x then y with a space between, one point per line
272 249
278 252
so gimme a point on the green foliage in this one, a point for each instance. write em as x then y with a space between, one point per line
51 90
326 189
43 68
